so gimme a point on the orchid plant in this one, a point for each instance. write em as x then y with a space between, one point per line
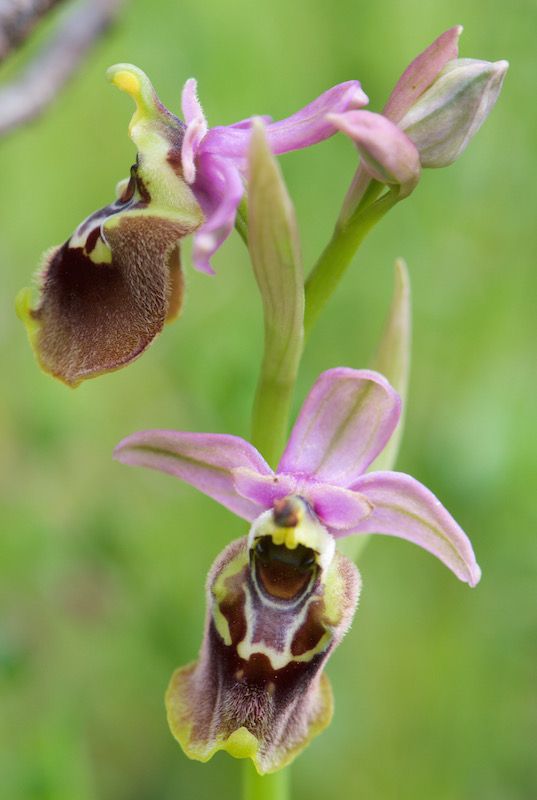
279 599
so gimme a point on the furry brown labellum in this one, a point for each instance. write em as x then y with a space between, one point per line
107 292
278 603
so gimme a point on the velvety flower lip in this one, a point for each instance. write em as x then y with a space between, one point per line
214 160
278 603
345 422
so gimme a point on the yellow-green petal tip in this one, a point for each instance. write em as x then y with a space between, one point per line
134 82
23 309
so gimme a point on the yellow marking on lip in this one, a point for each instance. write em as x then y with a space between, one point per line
285 536
101 253
221 624
278 536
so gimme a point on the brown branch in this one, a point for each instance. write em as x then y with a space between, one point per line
18 18
28 95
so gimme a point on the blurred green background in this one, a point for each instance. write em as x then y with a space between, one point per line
102 567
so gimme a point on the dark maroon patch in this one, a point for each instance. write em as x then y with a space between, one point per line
249 693
92 239
311 631
233 612
282 573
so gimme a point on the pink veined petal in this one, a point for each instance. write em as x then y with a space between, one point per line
262 490
218 189
205 460
345 422
389 155
404 507
307 127
337 508
421 72
190 105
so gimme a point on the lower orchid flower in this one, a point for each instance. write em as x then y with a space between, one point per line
109 289
281 599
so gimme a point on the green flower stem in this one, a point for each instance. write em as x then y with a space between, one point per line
362 191
270 416
264 787
339 252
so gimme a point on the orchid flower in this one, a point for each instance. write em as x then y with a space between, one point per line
109 289
280 600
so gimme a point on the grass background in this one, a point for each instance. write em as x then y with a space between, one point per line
102 567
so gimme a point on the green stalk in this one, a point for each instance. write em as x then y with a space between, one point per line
264 787
339 252
362 191
270 415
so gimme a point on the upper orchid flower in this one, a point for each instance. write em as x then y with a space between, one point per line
107 292
280 601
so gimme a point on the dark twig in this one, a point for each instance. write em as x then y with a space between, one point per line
18 18
28 95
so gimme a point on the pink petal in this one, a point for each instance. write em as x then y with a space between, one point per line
205 460
336 507
389 155
218 189
419 75
404 507
196 128
190 105
194 133
308 126
261 489
345 422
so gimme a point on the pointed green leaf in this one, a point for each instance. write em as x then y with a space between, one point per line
392 358
275 251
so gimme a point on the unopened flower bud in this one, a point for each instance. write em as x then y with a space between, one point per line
388 154
451 111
